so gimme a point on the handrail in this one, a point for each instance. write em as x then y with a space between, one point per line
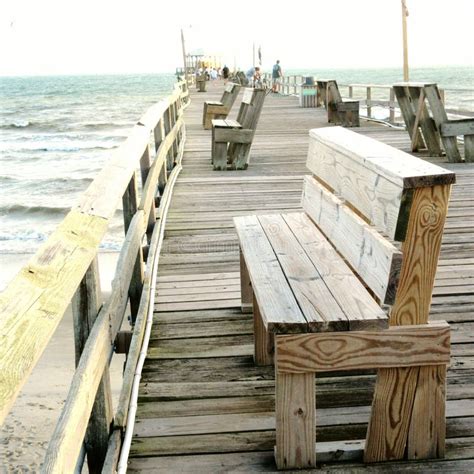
291 85
36 299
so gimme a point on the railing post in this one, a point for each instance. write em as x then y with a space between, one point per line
351 92
158 134
145 164
130 207
167 128
86 304
368 102
173 118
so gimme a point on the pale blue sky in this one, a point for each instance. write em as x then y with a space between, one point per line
121 36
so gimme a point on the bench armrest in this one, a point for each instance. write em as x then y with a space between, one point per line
216 109
453 128
233 135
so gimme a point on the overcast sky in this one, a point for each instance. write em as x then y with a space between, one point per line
129 36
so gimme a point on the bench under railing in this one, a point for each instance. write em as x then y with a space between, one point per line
65 271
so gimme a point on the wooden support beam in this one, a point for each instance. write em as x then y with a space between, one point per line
130 207
419 112
295 411
67 438
145 166
455 128
440 117
85 308
469 148
426 123
394 407
245 287
264 339
408 114
398 346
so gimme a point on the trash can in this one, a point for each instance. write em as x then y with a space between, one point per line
308 93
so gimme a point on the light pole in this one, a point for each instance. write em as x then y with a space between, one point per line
184 59
405 41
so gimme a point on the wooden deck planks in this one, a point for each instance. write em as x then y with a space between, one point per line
200 392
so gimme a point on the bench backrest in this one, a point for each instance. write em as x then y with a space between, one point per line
322 85
366 196
231 92
250 108
333 94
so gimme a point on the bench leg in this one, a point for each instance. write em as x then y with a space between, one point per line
333 116
205 116
219 158
419 391
240 156
208 121
356 118
245 287
264 340
469 148
427 431
295 410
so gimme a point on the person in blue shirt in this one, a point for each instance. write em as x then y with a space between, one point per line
253 76
276 75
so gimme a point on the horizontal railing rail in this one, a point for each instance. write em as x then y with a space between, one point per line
370 96
65 269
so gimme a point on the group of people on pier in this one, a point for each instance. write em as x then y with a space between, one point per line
253 76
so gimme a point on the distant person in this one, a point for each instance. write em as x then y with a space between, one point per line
253 75
225 72
276 75
213 74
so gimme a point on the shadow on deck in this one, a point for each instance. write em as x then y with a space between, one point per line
203 405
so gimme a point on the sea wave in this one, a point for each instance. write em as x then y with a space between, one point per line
28 241
22 236
24 209
16 124
51 147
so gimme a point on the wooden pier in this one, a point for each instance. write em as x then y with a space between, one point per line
203 405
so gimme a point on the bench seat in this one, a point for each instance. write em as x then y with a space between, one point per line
300 282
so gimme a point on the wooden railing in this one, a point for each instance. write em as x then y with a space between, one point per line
366 93
65 270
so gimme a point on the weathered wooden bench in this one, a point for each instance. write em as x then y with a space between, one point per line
341 111
232 139
347 285
220 109
437 128
201 82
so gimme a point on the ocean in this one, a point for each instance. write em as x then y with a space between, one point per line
55 135
57 132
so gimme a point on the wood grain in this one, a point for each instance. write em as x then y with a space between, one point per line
399 346
374 258
295 412
277 304
36 299
420 259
